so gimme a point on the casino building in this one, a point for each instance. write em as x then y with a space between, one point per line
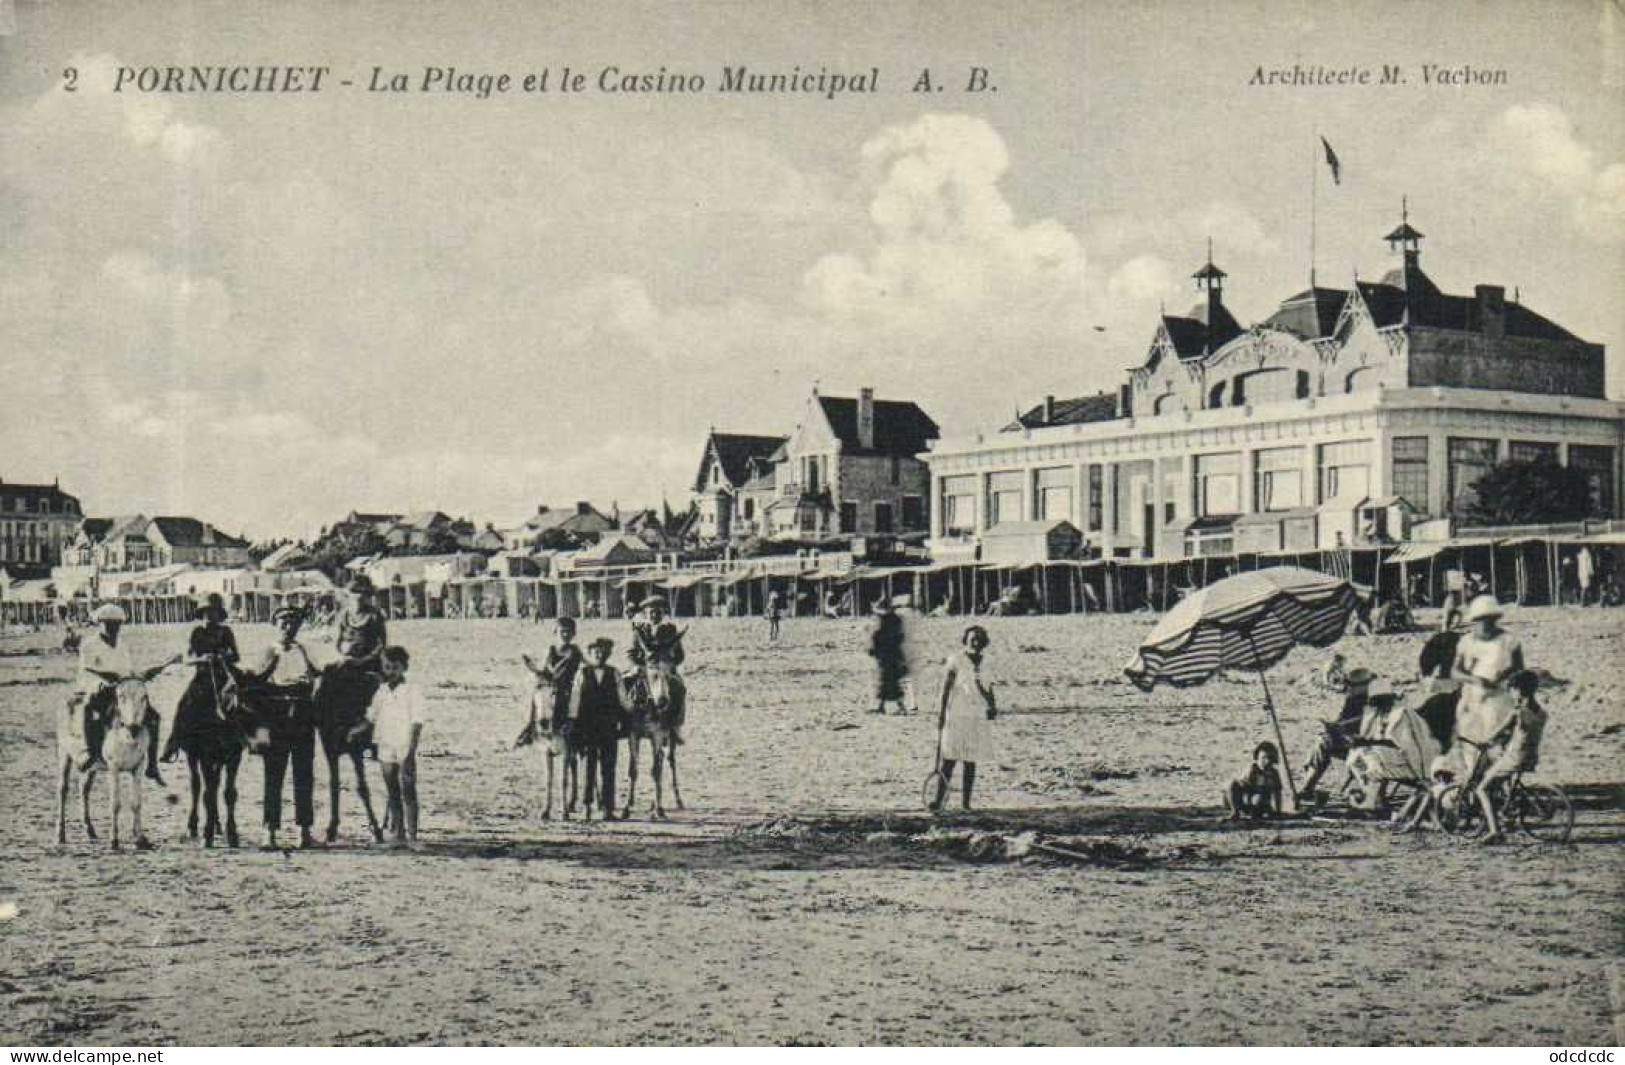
1344 418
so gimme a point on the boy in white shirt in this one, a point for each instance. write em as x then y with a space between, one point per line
396 717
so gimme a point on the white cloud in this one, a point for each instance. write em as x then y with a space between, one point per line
945 239
1142 279
1541 139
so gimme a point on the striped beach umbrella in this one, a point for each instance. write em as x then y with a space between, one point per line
1246 622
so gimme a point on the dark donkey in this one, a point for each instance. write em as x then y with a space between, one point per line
342 697
213 746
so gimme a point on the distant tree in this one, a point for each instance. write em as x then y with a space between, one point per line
343 543
556 539
1527 493
258 551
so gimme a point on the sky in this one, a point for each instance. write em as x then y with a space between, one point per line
267 311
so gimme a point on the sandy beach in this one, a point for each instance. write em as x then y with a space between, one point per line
803 896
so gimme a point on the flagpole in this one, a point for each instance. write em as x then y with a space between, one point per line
1314 190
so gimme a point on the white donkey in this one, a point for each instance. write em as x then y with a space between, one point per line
124 750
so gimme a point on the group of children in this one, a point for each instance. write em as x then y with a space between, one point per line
582 705
578 709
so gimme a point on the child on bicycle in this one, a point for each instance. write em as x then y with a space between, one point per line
1520 747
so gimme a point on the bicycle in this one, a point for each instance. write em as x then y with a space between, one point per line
1542 812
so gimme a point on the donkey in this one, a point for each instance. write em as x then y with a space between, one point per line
124 749
650 719
341 697
213 746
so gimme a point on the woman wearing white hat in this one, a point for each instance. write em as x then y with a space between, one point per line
1486 660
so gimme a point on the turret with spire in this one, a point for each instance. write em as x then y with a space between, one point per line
1222 327
1407 240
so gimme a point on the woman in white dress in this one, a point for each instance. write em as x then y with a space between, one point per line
966 716
1487 658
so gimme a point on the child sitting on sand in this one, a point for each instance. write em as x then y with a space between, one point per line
1333 675
1258 794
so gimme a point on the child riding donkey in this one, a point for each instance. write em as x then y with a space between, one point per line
658 700
657 650
550 713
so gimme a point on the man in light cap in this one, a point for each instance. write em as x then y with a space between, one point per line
93 703
284 678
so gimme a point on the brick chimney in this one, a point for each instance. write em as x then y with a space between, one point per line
583 507
866 418
1049 409
1125 401
1492 309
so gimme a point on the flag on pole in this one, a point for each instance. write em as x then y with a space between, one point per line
1331 161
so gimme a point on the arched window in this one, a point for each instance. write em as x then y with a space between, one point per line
1270 385
1361 380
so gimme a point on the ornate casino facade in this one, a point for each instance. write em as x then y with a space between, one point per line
1347 415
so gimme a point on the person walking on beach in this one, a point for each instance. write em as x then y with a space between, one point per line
886 647
965 717
775 611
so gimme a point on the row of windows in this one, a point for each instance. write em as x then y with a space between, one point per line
36 530
36 505
887 519
25 551
814 472
1469 458
1281 480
